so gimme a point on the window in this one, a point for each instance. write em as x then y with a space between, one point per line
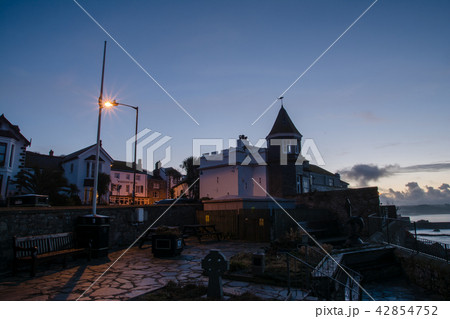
127 176
3 154
138 177
11 156
155 185
127 188
90 169
139 189
88 194
306 185
71 168
331 182
117 175
299 184
217 179
155 194
292 149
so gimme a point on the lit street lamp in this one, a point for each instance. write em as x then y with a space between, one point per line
114 103
97 154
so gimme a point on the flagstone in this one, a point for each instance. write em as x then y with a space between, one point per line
107 292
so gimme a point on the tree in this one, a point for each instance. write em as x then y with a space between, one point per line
103 185
44 182
192 174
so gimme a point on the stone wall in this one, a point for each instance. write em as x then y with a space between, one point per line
365 201
124 227
429 273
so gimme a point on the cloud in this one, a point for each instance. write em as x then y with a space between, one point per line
362 174
414 194
433 167
369 116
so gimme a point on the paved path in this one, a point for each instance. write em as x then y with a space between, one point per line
136 273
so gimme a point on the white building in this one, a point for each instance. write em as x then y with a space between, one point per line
278 169
79 169
12 156
122 179
232 172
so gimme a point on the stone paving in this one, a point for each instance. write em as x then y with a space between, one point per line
136 273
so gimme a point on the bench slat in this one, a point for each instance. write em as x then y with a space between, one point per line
48 246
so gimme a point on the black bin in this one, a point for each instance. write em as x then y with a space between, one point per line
94 229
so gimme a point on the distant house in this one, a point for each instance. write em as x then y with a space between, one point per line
12 156
171 176
181 189
79 168
279 171
122 179
157 188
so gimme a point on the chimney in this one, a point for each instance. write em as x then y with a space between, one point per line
50 153
306 165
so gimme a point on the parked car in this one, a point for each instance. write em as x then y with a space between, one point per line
32 200
179 201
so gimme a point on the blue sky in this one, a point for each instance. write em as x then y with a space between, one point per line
379 98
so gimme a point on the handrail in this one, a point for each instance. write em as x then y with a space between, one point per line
314 268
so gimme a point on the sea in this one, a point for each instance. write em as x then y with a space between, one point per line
443 236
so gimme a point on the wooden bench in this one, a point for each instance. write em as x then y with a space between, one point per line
33 249
201 230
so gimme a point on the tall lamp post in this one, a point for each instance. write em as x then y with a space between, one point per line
136 108
97 154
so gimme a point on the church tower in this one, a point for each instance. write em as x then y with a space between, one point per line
284 147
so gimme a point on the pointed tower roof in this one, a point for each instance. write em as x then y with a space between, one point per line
283 125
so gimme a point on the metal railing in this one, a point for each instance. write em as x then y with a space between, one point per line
397 231
339 287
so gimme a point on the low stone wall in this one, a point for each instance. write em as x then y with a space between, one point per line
124 227
429 273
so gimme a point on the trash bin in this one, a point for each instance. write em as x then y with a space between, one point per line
94 229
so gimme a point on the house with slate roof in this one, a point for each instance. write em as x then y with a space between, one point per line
79 168
12 157
250 172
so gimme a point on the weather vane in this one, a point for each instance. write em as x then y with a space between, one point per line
281 99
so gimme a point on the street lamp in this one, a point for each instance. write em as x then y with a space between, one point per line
97 154
115 103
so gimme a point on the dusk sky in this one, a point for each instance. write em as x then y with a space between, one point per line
376 104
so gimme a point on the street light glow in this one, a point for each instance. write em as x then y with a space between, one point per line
109 104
